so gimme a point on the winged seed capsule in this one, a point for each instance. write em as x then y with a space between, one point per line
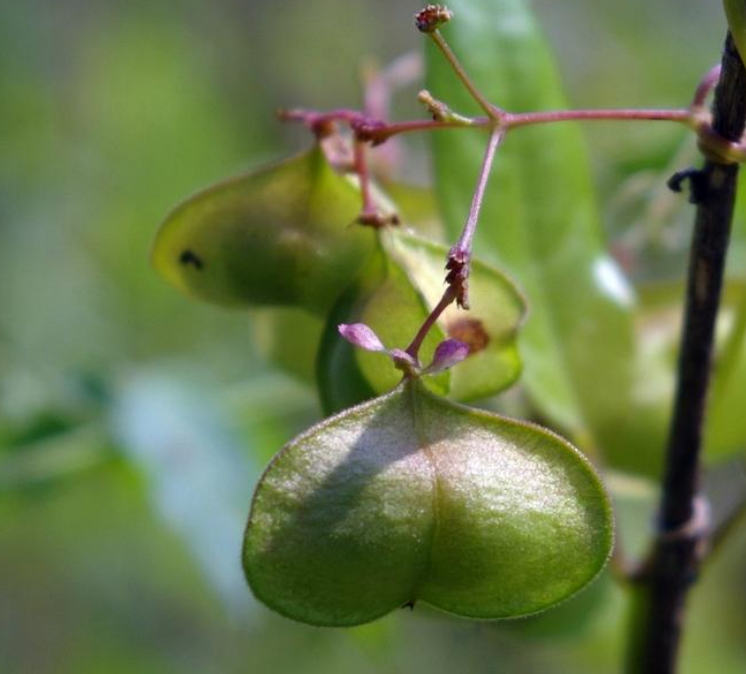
277 236
410 497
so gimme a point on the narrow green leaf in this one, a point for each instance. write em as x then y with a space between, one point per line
409 497
279 236
735 10
539 220
395 298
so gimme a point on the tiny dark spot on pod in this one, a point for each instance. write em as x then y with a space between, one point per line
409 605
471 332
190 258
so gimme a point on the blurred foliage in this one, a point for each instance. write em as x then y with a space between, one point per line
134 423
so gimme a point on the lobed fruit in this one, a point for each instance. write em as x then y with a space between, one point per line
279 236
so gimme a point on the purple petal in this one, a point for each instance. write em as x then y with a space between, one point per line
402 356
361 335
448 353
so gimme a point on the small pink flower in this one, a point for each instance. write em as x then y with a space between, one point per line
359 334
447 354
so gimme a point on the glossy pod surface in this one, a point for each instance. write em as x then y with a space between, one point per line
279 236
409 497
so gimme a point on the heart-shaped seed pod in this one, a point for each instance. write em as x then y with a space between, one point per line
410 497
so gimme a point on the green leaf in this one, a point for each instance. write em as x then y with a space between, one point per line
279 236
394 298
735 10
408 498
539 221
658 323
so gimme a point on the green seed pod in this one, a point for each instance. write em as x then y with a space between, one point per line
279 236
409 497
394 295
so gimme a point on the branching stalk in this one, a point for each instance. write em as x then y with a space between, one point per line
683 116
459 257
361 169
492 111
448 298
680 541
706 86
466 240
663 582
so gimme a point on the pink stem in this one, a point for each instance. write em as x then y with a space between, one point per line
706 85
448 297
464 244
379 135
361 170
512 120
312 117
373 130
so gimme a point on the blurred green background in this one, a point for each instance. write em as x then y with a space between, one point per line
134 422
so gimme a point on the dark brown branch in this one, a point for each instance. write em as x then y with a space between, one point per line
683 528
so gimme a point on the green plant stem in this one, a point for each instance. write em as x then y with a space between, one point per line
673 564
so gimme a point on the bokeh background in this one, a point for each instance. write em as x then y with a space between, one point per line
134 423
